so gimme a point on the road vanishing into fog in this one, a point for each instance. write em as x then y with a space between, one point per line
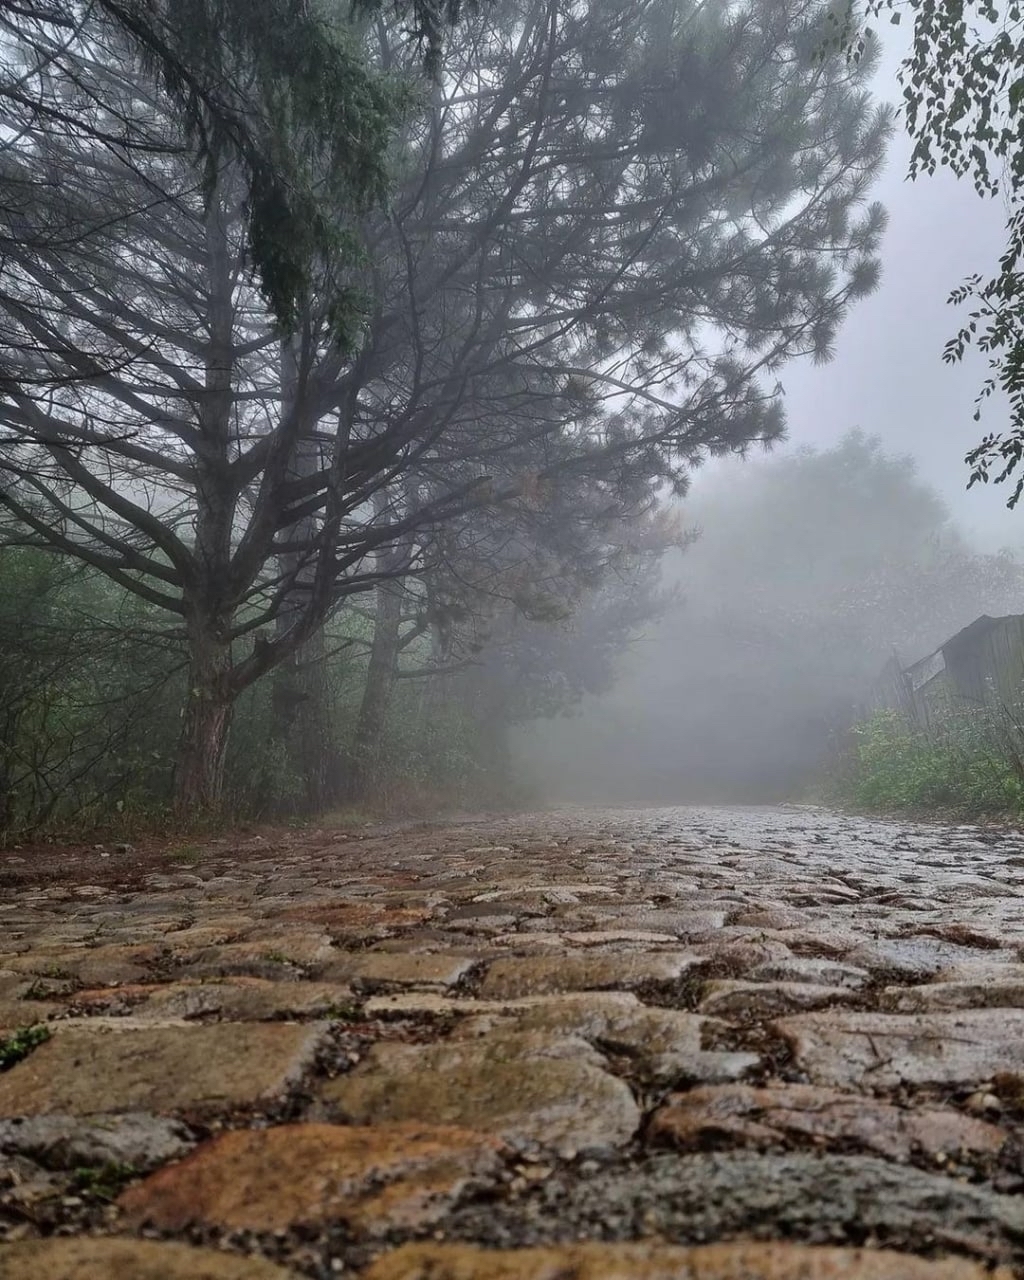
669 1044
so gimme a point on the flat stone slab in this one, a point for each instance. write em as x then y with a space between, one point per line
524 942
486 921
99 966
244 999
777 916
15 1014
801 1196
834 943
526 1088
259 957
744 955
738 1261
349 917
697 923
211 933
542 975
732 998
66 1142
996 993
980 972
919 958
435 1002
14 987
879 1050
163 1069
826 973
374 1179
780 1114
666 1044
412 969
609 937
113 1259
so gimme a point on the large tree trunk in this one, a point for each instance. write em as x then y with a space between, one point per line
365 761
210 696
199 769
302 725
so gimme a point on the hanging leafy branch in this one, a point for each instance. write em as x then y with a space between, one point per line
963 107
281 88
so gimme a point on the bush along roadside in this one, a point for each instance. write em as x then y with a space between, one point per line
967 761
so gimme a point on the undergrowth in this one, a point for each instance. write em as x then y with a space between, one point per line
968 761
16 1047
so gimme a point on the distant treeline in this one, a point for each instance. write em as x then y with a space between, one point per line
811 570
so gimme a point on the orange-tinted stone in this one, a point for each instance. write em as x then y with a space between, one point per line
374 1178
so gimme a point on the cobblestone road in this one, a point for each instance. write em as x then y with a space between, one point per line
678 1044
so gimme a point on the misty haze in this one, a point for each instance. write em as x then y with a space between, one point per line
809 572
511 640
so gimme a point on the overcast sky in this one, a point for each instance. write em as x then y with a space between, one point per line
888 376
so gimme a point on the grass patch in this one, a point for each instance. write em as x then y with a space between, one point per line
185 855
15 1048
347 817
39 989
344 1013
104 1181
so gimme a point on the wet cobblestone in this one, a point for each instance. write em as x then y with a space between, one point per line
460 1049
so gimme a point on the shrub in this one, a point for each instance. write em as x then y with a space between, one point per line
967 759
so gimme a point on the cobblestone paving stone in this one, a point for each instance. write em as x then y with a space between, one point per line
678 1044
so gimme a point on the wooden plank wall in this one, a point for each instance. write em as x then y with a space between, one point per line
983 666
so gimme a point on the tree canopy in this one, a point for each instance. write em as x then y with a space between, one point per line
283 89
608 228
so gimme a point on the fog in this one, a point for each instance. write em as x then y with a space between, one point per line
797 591
888 377
470 435
809 571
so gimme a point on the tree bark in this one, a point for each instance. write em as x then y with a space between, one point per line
202 748
206 597
365 755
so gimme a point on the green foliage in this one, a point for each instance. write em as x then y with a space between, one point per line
343 1013
963 106
810 568
286 89
88 697
966 761
432 749
185 855
89 724
262 779
17 1046
105 1181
